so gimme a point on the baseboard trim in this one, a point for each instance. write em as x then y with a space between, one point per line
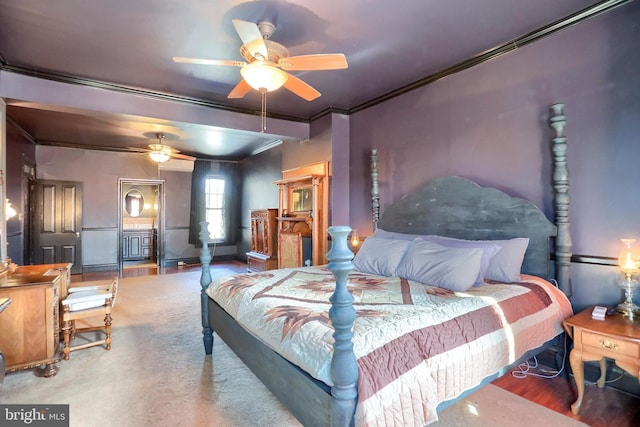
196 261
97 268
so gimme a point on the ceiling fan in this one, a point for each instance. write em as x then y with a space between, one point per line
268 62
161 153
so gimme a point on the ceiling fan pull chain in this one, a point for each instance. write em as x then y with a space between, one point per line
264 110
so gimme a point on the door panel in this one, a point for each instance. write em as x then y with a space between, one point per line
57 222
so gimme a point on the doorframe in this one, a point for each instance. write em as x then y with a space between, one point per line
26 186
160 250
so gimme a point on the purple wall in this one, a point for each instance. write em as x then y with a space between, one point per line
489 123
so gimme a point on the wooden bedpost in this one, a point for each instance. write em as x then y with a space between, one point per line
375 193
561 199
344 369
205 280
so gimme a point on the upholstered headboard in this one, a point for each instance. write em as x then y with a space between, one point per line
457 207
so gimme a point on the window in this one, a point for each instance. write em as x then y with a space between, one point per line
214 207
214 200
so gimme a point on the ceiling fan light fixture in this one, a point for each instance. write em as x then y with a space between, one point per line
159 156
263 77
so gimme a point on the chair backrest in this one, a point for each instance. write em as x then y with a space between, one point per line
114 290
290 249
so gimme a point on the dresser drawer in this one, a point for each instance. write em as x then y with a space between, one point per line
609 344
254 264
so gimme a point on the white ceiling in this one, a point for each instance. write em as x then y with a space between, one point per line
99 74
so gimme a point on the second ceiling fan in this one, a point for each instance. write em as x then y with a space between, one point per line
161 153
268 62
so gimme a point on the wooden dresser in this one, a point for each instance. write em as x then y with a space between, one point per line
264 240
4 303
30 326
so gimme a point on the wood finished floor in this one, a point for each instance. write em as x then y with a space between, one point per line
605 407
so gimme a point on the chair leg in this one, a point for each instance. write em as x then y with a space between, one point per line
65 333
72 330
107 325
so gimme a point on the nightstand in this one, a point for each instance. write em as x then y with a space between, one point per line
615 337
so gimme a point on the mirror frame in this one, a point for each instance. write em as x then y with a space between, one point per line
302 199
126 203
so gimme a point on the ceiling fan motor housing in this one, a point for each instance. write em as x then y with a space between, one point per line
275 52
266 29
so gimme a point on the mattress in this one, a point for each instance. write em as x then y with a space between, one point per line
416 345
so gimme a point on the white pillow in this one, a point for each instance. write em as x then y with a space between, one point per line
506 265
502 266
489 250
380 256
427 262
384 234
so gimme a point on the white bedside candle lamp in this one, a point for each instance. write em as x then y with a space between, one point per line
629 262
355 241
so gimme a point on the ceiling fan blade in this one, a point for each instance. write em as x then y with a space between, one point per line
241 89
182 59
329 61
300 88
252 38
182 157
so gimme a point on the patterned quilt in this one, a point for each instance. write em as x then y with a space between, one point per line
416 345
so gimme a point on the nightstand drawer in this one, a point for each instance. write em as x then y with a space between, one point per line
610 344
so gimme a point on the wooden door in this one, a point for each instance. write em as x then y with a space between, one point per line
57 223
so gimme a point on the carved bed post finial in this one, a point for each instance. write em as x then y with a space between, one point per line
205 281
561 199
344 369
375 194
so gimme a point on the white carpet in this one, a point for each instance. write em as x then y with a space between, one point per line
158 375
492 406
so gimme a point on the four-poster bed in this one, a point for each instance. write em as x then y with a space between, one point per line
394 348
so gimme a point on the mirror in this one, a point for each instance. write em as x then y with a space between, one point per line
302 199
134 202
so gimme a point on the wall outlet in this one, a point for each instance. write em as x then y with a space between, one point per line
180 263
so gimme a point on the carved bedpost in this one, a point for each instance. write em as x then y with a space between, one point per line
375 194
205 280
561 199
344 369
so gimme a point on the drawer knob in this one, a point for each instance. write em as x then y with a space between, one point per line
608 344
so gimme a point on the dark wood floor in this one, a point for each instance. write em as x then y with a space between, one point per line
600 407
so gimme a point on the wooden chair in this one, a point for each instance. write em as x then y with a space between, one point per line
289 249
83 302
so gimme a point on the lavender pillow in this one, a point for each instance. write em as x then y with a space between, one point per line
380 256
489 250
505 265
384 234
427 262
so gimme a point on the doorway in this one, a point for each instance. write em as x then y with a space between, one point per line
140 222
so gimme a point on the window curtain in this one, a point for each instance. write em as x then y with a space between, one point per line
203 169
